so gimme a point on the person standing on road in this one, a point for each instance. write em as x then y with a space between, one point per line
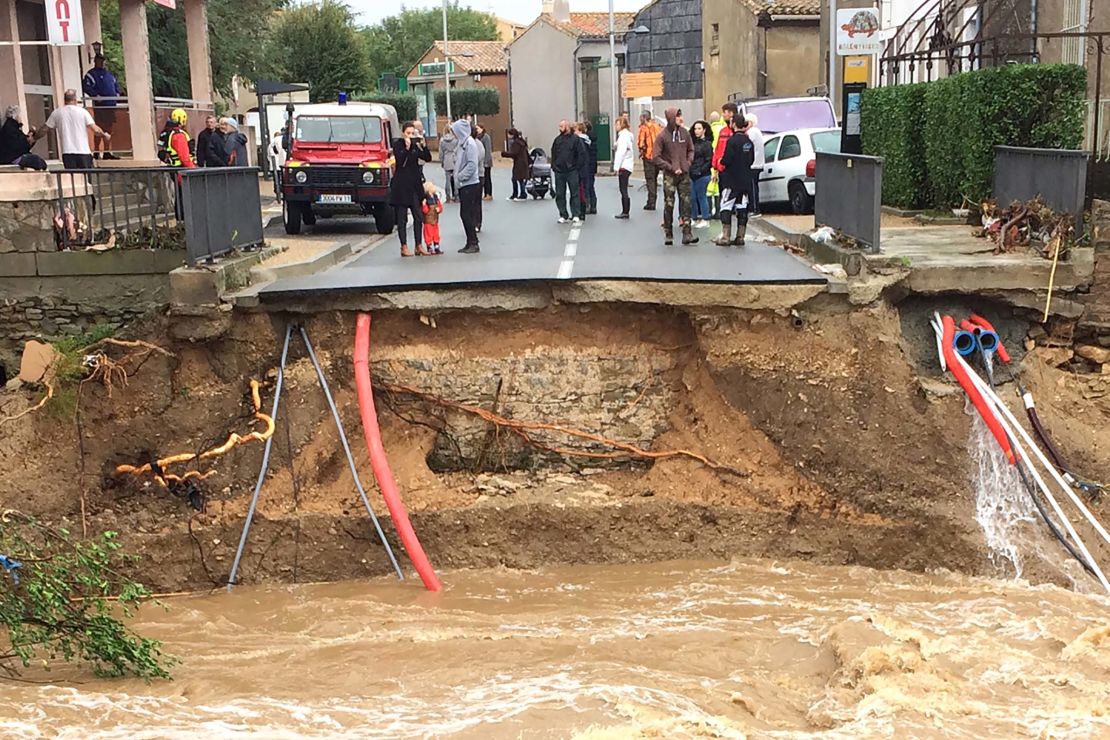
406 191
645 140
587 170
468 166
73 124
204 138
567 157
517 150
590 201
716 125
235 143
736 184
700 173
674 153
623 163
484 139
756 136
448 154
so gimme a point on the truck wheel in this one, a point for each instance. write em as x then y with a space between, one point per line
309 216
291 213
801 202
383 219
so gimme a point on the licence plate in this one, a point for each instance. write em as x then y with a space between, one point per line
333 198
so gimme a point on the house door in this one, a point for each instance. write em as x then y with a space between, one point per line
591 95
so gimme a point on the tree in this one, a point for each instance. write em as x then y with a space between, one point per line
470 101
318 43
237 35
56 602
399 41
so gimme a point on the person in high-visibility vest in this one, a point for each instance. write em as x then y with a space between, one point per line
716 125
173 142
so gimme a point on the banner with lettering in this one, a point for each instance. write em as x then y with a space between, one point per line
63 22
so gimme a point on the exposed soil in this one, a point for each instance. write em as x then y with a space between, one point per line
849 459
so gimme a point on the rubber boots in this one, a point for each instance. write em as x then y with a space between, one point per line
725 238
688 237
668 235
741 232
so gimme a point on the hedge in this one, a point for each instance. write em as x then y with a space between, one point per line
466 101
405 103
938 138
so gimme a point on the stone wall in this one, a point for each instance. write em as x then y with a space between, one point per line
1096 319
623 393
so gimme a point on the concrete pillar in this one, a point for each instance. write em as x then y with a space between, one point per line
200 65
140 94
11 85
90 15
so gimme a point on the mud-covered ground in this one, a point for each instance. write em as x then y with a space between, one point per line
848 454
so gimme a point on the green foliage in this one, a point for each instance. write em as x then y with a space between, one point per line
405 103
317 42
237 35
71 351
470 101
938 138
62 606
400 41
891 121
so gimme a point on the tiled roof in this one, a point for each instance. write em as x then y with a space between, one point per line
592 24
785 7
488 57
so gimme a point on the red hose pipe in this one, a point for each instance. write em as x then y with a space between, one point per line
982 323
387 484
972 392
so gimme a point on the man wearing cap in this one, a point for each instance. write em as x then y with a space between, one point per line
102 87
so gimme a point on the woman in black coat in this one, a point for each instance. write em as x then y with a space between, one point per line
517 150
407 189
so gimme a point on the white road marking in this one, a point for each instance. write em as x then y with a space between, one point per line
566 267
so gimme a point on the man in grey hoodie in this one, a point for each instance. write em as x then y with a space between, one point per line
468 166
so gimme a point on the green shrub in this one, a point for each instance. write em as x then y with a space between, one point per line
891 121
405 103
476 101
938 138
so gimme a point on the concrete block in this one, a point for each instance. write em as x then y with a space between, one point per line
117 262
17 264
194 287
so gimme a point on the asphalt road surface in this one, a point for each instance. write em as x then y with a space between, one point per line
522 241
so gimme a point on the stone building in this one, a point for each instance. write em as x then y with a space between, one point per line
756 49
666 36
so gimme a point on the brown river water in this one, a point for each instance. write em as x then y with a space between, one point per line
672 650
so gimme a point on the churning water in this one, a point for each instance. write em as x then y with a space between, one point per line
746 649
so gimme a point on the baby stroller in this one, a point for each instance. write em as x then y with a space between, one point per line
539 174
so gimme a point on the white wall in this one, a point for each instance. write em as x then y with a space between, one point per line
541 81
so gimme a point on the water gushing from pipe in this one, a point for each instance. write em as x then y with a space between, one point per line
1002 506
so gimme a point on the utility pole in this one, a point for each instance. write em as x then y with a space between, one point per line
832 55
612 73
447 64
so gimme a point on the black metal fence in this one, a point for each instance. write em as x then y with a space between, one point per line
119 206
849 196
222 211
1058 176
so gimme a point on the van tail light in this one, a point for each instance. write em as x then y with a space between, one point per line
811 168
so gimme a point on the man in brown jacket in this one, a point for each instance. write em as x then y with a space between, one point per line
674 153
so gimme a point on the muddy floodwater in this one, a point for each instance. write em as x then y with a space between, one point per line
745 649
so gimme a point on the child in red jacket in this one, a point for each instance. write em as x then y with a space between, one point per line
432 208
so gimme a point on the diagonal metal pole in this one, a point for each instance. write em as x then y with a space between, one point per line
347 450
265 461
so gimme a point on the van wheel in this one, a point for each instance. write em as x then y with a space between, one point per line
801 202
309 217
291 214
384 220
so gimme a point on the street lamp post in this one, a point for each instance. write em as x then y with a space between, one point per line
446 65
612 71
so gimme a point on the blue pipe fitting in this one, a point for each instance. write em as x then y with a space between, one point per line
965 343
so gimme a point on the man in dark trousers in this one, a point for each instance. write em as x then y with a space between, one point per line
102 86
468 168
204 140
568 155
674 153
735 178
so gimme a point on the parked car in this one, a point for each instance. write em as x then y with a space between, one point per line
777 115
789 175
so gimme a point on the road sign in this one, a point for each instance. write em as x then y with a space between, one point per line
643 85
858 32
63 21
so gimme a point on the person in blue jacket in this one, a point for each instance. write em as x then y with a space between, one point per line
102 86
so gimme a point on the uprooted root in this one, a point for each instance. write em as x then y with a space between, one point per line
524 430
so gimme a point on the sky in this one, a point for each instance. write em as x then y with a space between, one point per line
521 11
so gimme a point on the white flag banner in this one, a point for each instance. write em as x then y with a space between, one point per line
64 22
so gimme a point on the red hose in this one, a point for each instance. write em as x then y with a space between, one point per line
986 325
972 392
380 463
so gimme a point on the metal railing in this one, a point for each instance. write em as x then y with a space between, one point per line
1098 124
849 196
222 211
1058 176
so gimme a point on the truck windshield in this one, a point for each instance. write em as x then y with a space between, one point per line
339 129
778 116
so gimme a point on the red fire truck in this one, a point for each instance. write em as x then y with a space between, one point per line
338 162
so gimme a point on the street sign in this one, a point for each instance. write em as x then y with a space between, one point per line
643 85
433 69
63 22
857 69
858 32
